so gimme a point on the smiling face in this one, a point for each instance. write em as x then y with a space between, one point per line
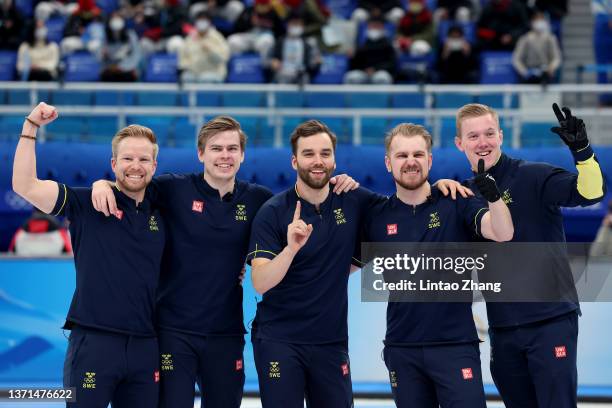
314 160
480 138
134 164
222 155
409 160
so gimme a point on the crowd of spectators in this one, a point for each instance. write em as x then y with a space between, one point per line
290 36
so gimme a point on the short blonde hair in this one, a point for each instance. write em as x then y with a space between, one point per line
474 110
408 130
135 131
218 125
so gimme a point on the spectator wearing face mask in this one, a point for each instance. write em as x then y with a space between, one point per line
37 58
203 58
415 31
374 61
460 11
457 63
296 58
390 10
121 54
256 30
537 56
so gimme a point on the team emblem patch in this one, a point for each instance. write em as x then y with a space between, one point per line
339 216
239 365
89 381
156 376
434 220
560 352
197 206
241 214
391 229
467 373
393 379
166 362
345 369
274 370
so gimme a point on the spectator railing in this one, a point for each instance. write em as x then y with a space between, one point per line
517 105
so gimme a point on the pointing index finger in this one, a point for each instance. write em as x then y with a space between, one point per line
296 214
558 113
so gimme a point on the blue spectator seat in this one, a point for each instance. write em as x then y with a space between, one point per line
408 100
160 98
81 67
415 69
25 7
251 125
332 70
394 121
160 125
452 100
69 128
55 28
113 98
8 60
289 124
362 29
276 174
184 133
245 68
101 129
223 25
469 30
63 97
108 6
10 127
208 98
368 100
538 134
290 99
373 130
341 8
325 100
496 68
17 97
448 131
342 127
496 101
243 99
161 67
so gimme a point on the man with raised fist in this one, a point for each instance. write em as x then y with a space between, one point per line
533 344
112 353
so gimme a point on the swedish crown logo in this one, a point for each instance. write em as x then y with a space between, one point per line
274 370
339 216
434 220
241 214
89 381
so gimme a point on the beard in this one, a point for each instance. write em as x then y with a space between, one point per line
124 185
306 177
413 183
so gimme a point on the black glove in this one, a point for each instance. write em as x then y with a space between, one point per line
486 184
572 130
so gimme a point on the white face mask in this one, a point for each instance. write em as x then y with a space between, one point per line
202 25
40 33
116 24
295 31
375 34
455 44
541 26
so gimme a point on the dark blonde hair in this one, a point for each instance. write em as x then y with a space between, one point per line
474 110
218 125
310 128
135 131
408 130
